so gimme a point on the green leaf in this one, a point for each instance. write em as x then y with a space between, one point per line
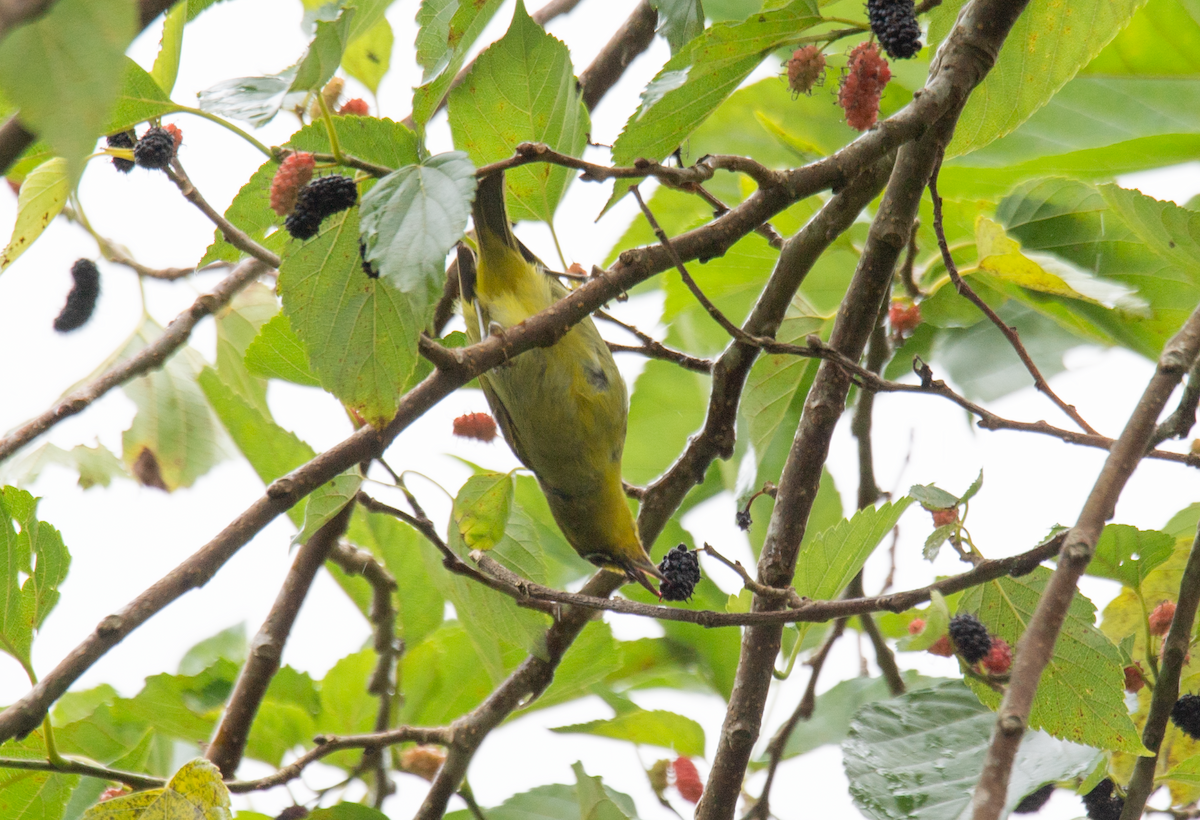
346 707
554 801
174 438
327 501
271 450
33 795
228 644
63 71
195 792
522 89
1169 230
697 79
369 55
667 405
1162 39
919 756
1127 554
166 64
139 99
654 728
42 196
410 221
255 100
277 353
238 323
1081 694
836 555
934 498
448 30
1048 45
594 656
1187 772
680 21
481 510
594 800
34 564
442 677
830 721
360 333
324 53
420 607
95 465
348 811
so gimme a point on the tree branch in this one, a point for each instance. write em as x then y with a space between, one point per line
148 358
633 37
1036 646
229 742
233 235
328 744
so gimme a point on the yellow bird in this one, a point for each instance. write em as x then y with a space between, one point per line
561 408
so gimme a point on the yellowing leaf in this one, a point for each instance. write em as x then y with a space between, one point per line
481 510
196 792
42 197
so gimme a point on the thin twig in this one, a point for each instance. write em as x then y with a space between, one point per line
1010 333
1183 419
328 744
233 235
67 765
151 357
787 596
1166 685
651 348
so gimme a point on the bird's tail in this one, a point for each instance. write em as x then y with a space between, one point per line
491 214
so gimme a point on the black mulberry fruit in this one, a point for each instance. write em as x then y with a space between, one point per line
318 199
81 301
970 637
743 519
1034 801
895 24
1102 804
1186 715
155 149
121 139
681 569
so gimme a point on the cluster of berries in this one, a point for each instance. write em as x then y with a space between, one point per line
805 70
154 150
895 24
681 569
81 300
866 75
970 638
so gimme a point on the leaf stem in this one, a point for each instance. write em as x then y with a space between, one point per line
334 146
226 124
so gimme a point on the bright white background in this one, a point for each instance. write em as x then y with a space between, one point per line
125 537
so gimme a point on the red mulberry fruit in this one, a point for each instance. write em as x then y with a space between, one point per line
805 70
1134 679
81 301
1161 617
941 647
356 107
176 135
999 657
916 626
687 779
1186 715
895 24
970 637
155 149
121 139
294 173
866 76
904 315
682 572
478 426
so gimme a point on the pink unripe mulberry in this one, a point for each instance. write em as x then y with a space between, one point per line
805 70
866 75
687 780
294 173
1161 617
